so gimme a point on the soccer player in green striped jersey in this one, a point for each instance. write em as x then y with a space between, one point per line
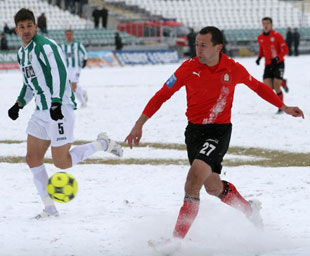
44 71
76 59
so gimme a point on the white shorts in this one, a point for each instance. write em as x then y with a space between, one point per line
58 132
74 74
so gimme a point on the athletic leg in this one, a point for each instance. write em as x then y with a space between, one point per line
196 177
64 157
81 94
36 149
269 82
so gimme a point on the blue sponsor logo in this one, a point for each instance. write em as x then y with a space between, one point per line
146 57
171 81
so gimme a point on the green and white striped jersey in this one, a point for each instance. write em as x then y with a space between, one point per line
45 74
75 54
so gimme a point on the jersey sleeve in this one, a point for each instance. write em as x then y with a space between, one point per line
83 51
263 90
58 71
25 95
282 45
172 85
260 49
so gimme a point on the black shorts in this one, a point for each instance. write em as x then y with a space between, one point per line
277 72
208 142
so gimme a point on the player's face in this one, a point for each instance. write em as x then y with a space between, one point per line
206 52
267 26
69 36
26 29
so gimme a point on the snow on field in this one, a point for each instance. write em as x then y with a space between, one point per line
120 207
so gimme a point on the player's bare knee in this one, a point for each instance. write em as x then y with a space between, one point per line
33 161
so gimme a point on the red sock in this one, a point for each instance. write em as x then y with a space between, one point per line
187 215
280 95
232 197
283 83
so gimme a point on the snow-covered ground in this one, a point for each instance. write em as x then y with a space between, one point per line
120 207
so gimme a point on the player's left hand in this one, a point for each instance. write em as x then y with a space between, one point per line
84 63
293 111
55 111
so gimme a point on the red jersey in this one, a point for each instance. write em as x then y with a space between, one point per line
271 46
209 91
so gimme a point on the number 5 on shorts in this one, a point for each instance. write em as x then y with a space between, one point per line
61 128
207 148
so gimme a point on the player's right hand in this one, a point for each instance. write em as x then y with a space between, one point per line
84 63
55 111
258 60
274 62
134 136
13 111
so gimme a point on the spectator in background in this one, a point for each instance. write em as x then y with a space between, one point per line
289 40
296 38
224 50
96 15
80 5
8 30
3 43
118 42
58 3
100 13
104 16
70 5
191 37
42 23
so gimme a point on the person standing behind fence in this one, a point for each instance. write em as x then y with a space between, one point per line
118 42
289 40
296 38
191 37
273 47
76 59
3 43
104 16
42 23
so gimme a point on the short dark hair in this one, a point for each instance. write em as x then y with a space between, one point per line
267 18
24 14
217 35
68 30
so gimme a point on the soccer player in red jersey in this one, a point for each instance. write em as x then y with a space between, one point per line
273 47
210 80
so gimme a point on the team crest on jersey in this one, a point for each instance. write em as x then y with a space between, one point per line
272 39
226 78
171 81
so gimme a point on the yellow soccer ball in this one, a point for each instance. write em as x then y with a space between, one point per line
62 187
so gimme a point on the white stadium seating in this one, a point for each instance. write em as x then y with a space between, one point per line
225 14
56 18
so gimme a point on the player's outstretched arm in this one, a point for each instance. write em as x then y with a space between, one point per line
136 132
293 111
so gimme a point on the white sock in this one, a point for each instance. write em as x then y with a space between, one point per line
82 152
79 93
40 179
